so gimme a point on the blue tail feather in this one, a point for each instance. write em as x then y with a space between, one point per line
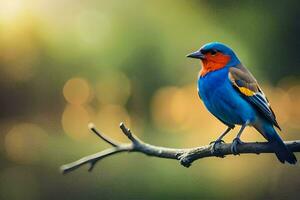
282 152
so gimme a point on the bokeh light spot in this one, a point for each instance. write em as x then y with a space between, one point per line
77 91
24 142
10 9
75 120
19 53
109 118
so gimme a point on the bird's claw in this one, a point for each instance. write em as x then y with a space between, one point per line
215 150
235 142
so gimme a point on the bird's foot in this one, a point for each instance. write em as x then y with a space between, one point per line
215 150
235 142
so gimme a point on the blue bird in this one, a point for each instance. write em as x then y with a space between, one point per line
231 93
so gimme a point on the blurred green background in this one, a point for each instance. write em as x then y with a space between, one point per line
65 63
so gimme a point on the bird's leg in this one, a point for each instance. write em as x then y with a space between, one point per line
237 140
218 141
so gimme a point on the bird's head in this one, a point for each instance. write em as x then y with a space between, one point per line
215 56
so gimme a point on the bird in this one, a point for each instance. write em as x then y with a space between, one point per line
232 94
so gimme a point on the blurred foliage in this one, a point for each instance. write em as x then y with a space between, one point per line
66 63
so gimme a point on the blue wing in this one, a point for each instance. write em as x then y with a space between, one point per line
247 86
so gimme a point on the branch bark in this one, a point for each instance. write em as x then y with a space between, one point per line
185 156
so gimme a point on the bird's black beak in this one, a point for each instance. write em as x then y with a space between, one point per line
196 55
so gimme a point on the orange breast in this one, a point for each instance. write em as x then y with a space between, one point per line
213 62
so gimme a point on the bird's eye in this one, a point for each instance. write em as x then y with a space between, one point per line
213 52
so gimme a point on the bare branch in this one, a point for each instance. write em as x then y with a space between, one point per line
185 156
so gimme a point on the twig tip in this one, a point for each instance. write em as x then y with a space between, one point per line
91 125
63 169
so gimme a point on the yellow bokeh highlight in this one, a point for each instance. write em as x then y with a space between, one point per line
77 91
19 49
10 9
112 93
109 118
75 120
24 142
